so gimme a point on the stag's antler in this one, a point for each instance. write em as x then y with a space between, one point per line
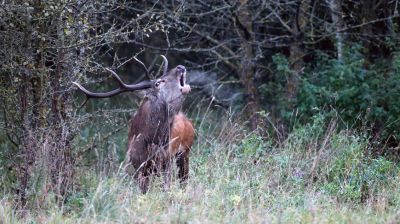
123 87
165 65
145 68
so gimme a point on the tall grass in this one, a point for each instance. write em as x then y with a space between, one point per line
318 174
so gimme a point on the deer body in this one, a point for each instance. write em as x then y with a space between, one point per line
148 132
151 152
158 131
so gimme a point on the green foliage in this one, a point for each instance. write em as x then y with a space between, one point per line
361 93
351 175
334 162
253 146
272 92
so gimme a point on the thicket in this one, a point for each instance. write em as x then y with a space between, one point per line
365 99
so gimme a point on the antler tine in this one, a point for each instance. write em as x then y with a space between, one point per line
123 87
91 94
145 68
165 64
116 76
126 87
139 86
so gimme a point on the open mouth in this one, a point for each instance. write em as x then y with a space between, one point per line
185 88
182 78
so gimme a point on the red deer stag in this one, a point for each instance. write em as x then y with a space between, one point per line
159 132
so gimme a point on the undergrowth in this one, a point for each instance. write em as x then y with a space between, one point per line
318 174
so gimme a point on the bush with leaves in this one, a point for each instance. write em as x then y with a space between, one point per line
363 95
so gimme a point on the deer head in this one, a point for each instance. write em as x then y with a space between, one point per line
168 88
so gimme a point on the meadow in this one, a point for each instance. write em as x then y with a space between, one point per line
318 174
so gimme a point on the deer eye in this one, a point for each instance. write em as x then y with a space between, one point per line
158 83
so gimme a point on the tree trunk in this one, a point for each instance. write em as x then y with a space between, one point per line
247 69
296 53
337 15
367 14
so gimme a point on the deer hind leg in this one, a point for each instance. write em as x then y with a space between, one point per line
183 166
143 180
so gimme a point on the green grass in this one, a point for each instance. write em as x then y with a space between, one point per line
317 175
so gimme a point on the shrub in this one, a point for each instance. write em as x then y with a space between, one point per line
362 94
